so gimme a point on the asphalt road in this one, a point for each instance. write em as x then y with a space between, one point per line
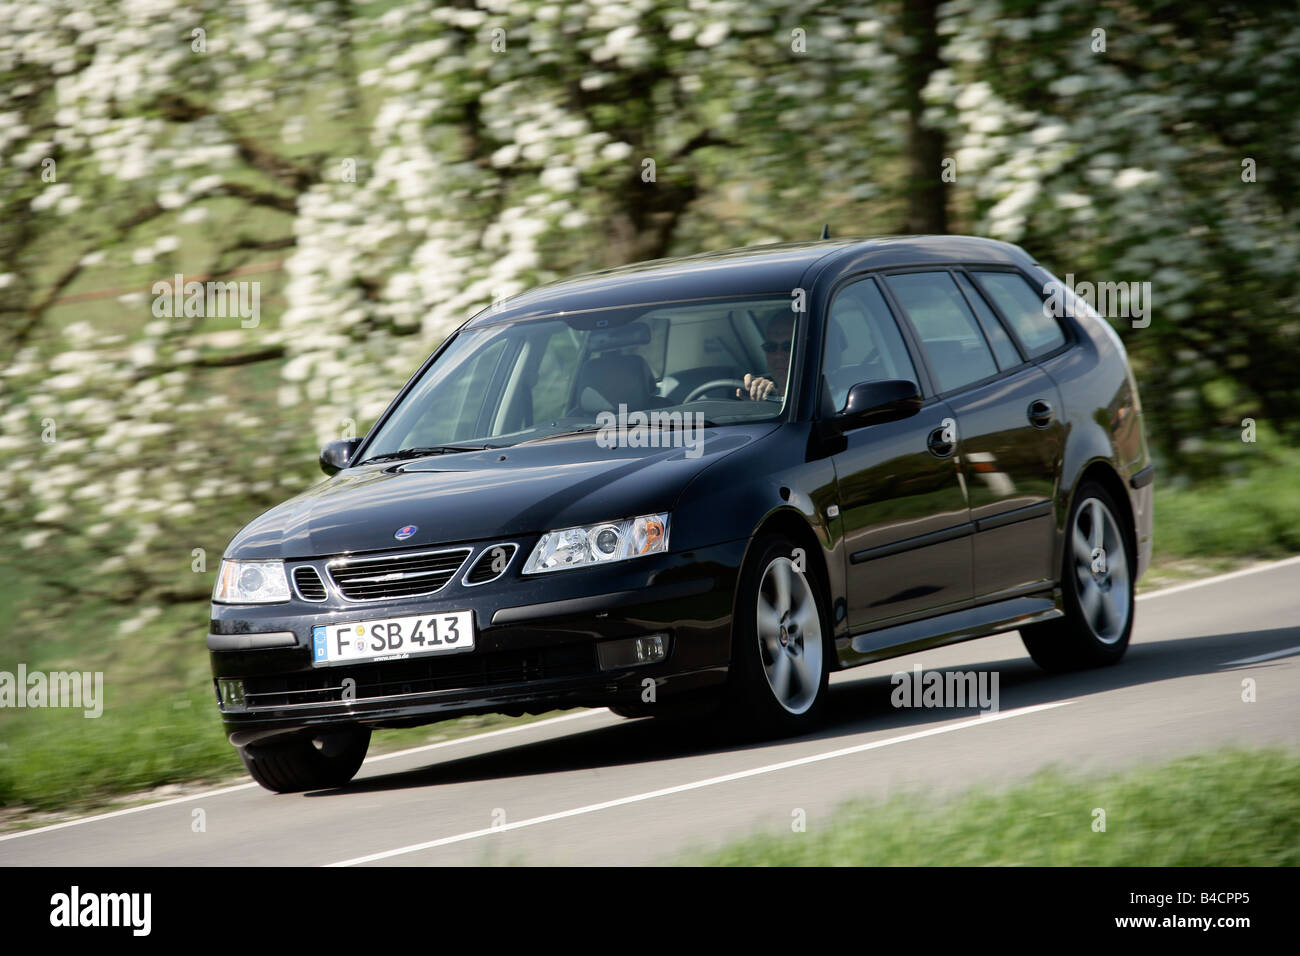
592 788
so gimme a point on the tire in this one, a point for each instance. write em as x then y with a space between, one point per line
320 762
1098 590
765 697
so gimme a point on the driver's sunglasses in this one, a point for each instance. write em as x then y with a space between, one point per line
777 346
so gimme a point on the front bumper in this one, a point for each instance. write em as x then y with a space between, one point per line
536 646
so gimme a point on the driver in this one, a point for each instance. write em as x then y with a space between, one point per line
780 335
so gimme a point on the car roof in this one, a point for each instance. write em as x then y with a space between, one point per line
773 269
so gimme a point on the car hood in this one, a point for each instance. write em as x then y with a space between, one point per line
496 493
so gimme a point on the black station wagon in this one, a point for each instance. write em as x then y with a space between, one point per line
715 478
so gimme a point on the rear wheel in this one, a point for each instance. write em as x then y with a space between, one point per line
309 762
1097 580
781 643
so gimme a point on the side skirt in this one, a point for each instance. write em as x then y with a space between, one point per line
951 628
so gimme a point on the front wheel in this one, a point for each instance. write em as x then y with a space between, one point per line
1097 580
781 642
308 762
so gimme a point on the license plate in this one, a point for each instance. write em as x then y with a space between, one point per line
394 638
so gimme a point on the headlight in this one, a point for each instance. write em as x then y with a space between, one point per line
599 544
251 582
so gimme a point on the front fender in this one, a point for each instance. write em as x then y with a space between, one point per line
781 481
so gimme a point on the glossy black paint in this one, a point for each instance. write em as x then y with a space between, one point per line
870 403
923 536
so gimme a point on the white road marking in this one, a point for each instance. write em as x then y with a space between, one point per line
700 784
1285 652
122 813
249 786
1220 577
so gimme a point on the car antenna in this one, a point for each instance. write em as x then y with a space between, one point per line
826 231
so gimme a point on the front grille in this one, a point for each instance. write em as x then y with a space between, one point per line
308 583
423 675
491 564
395 575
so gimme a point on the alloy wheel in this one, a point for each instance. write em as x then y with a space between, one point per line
1101 571
789 635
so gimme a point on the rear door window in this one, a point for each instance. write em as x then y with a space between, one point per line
954 345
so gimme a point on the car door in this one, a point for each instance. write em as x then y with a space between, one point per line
1008 427
1026 421
903 507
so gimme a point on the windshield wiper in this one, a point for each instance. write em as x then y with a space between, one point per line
421 452
580 430
586 429
706 422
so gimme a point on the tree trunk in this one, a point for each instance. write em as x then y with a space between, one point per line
927 210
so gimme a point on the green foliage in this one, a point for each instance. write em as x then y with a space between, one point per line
1167 157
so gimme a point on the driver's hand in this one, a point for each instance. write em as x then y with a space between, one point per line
756 388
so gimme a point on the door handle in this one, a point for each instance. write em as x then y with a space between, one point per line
941 442
1040 413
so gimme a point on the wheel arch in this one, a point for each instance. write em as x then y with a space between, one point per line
792 523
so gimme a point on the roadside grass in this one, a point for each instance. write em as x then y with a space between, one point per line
1228 808
58 758
1255 515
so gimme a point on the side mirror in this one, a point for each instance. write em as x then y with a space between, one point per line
870 403
336 454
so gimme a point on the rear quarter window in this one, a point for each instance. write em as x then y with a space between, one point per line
1024 309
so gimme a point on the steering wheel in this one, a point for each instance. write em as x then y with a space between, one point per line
699 390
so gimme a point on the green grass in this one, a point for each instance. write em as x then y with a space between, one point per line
1256 515
55 758
1232 808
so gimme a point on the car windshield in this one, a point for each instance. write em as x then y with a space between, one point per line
501 384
